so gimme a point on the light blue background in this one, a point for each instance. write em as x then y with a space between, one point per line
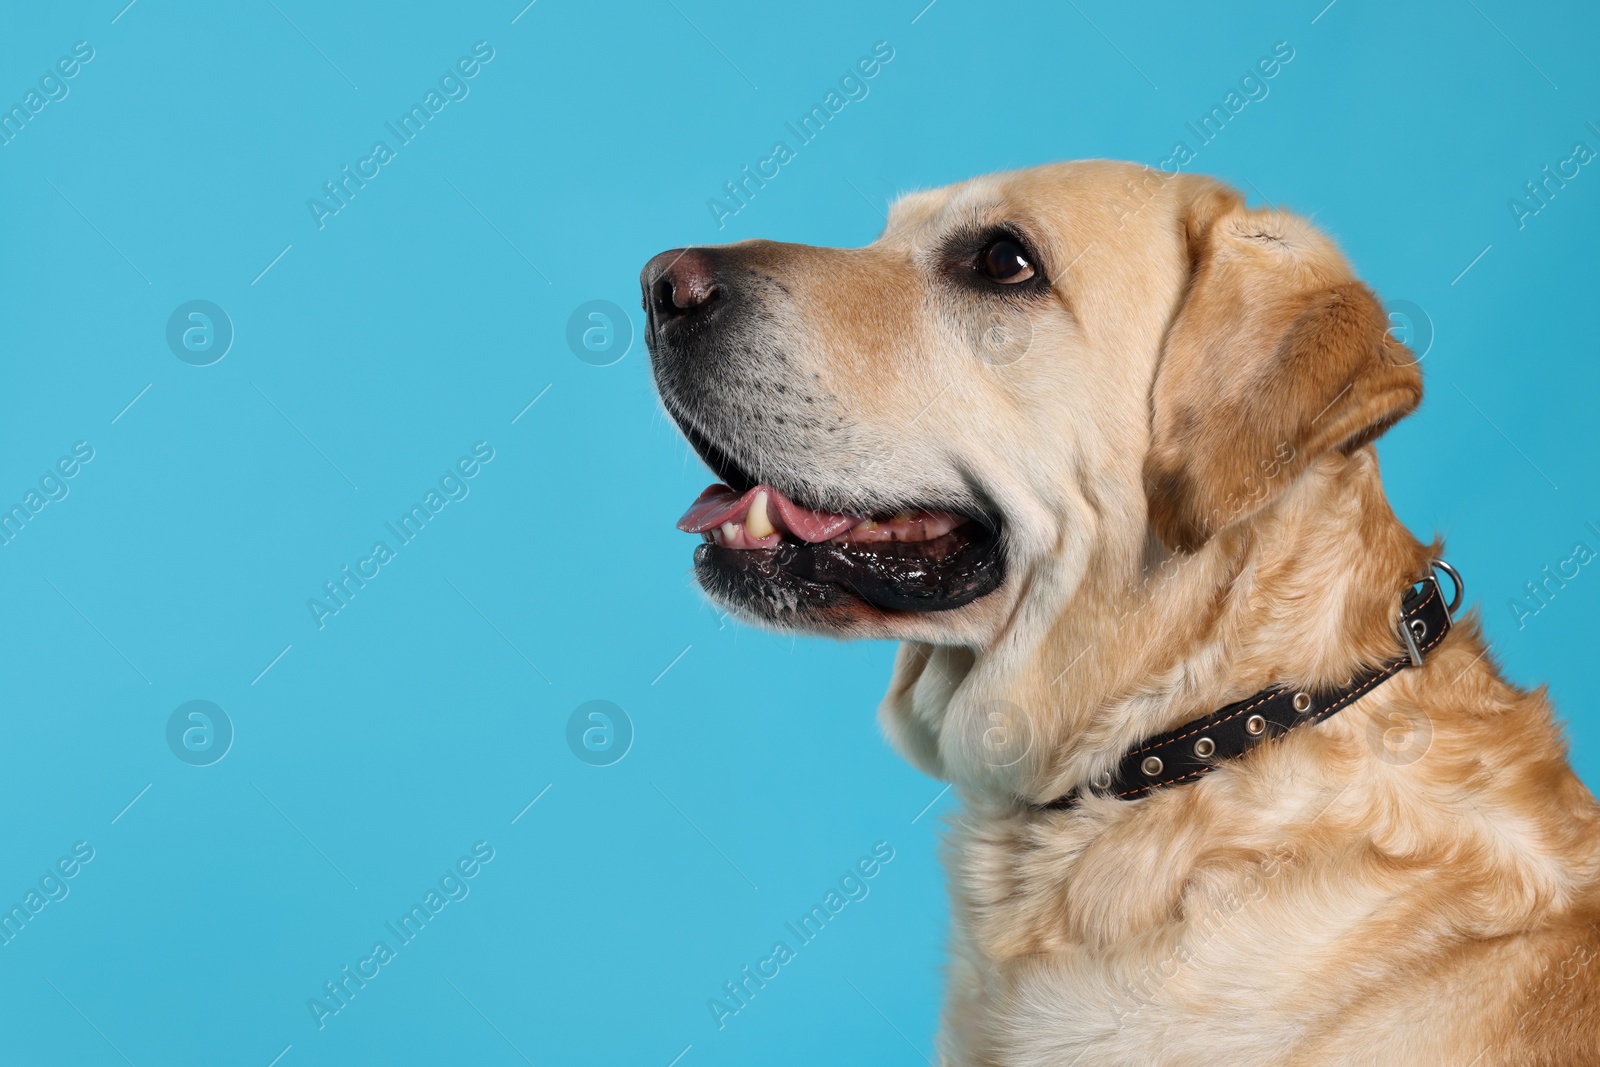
426 316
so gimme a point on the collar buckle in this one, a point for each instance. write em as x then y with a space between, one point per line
1413 629
1187 752
1408 634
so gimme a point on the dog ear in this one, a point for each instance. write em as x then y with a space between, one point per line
1278 355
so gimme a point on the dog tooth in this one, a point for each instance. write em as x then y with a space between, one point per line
757 522
904 516
730 532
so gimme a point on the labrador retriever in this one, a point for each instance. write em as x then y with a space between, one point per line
1095 443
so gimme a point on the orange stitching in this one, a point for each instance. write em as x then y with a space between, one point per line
1440 636
1175 781
1348 698
1210 725
1431 594
1339 704
1280 690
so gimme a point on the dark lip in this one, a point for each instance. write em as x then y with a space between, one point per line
892 578
888 578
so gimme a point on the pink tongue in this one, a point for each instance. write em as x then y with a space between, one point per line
720 504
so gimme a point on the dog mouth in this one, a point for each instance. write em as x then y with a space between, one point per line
758 542
768 550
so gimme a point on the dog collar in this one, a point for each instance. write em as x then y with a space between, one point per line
1201 745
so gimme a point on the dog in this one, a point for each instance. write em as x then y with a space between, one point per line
1094 442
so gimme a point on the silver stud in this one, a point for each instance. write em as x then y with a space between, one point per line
1204 747
1151 766
1103 780
1254 725
1302 702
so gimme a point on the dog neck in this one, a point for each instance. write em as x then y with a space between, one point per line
1304 591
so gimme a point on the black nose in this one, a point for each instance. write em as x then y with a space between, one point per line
680 284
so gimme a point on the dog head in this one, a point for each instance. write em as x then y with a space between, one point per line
1028 377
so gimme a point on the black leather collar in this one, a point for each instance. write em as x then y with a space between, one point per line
1201 745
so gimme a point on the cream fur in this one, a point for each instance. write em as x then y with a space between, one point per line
1413 881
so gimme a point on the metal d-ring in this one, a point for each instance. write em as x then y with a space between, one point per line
1455 579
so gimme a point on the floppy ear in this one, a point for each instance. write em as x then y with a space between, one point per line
1278 355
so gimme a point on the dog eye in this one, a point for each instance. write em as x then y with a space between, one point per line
1005 262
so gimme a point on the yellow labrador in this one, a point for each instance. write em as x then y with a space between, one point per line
1095 443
